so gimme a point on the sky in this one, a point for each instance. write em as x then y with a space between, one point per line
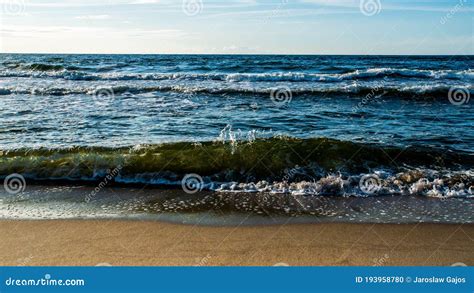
237 26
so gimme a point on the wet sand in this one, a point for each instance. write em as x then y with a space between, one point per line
119 243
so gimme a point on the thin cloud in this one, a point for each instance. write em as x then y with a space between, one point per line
94 17
145 2
21 31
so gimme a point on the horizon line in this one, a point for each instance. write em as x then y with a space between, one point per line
237 54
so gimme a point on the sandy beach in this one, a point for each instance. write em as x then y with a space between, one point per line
133 243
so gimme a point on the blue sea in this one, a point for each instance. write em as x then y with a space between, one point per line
333 138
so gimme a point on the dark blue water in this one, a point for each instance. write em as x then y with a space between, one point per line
60 101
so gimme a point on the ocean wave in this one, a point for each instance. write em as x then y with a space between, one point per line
44 67
57 71
41 67
421 182
317 166
402 91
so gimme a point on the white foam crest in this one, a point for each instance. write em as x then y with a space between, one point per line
240 77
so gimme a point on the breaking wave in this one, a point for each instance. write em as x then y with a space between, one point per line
317 166
58 71
404 92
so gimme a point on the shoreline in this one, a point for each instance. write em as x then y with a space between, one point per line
78 202
150 243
